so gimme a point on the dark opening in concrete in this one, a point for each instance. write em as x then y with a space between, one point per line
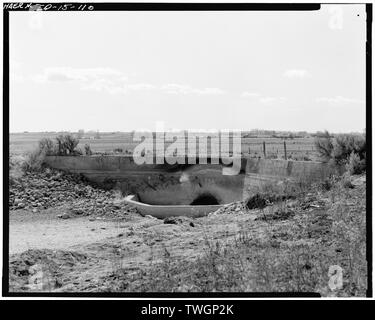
204 200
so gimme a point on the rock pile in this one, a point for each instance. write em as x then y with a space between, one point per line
101 206
47 189
42 190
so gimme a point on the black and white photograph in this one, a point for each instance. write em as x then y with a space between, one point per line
191 149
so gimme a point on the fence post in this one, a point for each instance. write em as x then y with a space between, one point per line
285 150
264 149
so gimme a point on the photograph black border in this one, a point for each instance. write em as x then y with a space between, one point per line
12 6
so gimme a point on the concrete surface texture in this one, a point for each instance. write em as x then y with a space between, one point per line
163 211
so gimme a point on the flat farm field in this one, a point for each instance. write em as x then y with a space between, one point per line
297 148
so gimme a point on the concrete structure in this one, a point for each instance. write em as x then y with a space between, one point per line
160 211
186 186
156 184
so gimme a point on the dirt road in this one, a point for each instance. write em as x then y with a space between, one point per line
75 253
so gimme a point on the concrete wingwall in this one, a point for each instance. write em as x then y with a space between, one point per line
263 172
288 169
181 184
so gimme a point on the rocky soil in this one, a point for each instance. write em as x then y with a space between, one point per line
36 191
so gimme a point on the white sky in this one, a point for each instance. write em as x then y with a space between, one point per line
121 71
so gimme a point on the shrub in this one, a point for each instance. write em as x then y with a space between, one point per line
324 146
257 201
88 151
344 149
47 146
15 168
346 144
118 150
61 150
66 145
34 161
355 165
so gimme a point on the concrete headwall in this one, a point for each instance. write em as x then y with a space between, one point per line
155 184
182 184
